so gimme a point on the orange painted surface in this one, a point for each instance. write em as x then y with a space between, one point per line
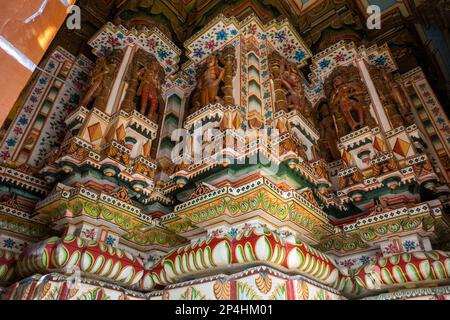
32 39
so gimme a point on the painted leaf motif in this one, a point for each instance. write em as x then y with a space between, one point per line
45 290
304 291
72 293
222 290
246 292
192 294
95 294
279 293
264 283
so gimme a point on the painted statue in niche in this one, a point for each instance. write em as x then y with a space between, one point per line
398 96
292 82
150 77
348 100
144 92
98 76
102 78
208 83
343 100
392 97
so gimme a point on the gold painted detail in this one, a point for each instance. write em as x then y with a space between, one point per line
259 199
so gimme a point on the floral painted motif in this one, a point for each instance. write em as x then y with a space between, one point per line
435 110
390 249
233 232
113 41
4 155
152 41
89 233
348 263
324 63
163 54
356 262
343 53
221 35
66 101
11 142
110 240
222 31
380 61
280 36
211 44
198 52
299 55
9 243
410 245
215 38
216 232
365 260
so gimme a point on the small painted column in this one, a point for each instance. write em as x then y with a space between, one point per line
280 95
380 113
229 58
115 95
177 110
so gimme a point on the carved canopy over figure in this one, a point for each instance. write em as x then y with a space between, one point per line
95 85
208 83
150 77
347 96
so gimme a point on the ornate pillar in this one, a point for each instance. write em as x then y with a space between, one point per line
380 113
229 58
114 94
275 67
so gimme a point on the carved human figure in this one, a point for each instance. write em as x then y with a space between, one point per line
98 76
195 103
328 132
128 104
397 95
149 89
345 99
292 81
209 81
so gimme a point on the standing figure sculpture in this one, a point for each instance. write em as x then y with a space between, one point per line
209 81
398 96
149 89
345 99
292 81
98 76
348 98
